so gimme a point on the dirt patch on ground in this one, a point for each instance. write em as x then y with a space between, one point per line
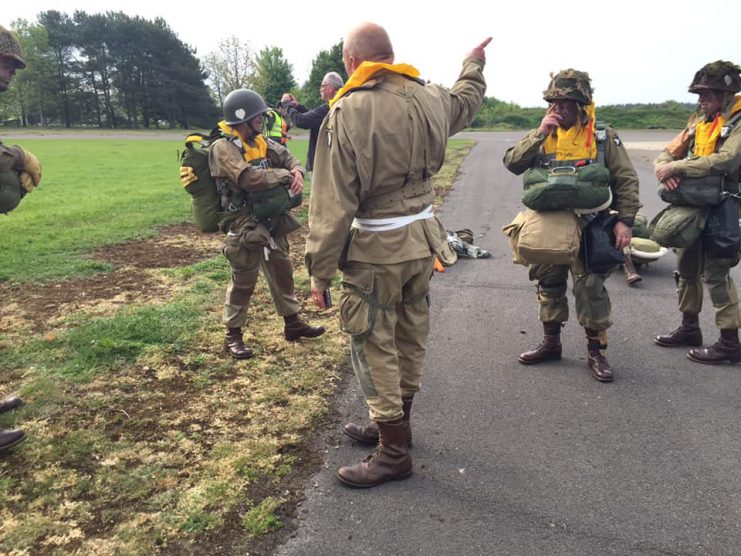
37 307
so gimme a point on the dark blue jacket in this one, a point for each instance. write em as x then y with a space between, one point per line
308 119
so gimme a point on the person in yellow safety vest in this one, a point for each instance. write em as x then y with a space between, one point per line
277 126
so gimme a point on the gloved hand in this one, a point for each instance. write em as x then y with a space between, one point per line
30 174
187 175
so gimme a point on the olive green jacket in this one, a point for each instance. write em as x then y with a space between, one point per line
623 178
725 160
376 152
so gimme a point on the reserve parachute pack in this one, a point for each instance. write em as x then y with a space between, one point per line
195 175
580 185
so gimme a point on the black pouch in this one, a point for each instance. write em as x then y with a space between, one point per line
598 252
721 237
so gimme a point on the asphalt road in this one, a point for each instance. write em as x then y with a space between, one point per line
523 460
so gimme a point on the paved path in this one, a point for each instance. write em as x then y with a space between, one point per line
544 460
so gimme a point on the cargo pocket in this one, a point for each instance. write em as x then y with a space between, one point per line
230 249
357 304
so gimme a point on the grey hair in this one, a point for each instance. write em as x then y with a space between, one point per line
333 79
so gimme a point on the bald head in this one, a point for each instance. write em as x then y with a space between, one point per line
367 42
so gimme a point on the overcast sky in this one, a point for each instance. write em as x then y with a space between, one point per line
634 50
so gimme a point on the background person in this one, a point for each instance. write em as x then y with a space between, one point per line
20 170
301 116
361 182
709 145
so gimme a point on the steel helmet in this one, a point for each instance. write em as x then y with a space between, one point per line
717 76
569 84
242 105
10 47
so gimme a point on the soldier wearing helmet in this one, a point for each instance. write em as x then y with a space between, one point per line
568 135
20 171
246 167
710 145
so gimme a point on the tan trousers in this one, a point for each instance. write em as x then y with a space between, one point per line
694 267
385 309
246 260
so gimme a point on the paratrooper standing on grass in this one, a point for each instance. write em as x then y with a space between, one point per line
20 172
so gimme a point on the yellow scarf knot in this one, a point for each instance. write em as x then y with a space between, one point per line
366 70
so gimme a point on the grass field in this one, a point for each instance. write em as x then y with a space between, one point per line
143 436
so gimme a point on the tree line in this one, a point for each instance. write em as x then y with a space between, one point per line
112 70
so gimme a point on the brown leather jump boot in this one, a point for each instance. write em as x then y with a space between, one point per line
368 434
10 438
688 333
549 349
234 344
296 328
10 404
726 350
390 462
596 360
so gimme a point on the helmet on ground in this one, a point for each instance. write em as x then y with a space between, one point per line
717 76
241 105
569 84
11 48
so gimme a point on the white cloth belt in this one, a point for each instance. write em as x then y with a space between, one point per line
384 224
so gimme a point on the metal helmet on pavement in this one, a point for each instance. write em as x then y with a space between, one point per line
569 84
241 105
11 48
717 76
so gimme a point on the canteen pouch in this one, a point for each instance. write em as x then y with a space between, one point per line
696 192
549 237
721 237
598 252
567 187
677 226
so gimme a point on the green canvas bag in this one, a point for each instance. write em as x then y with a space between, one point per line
677 226
567 187
205 202
269 203
11 191
708 191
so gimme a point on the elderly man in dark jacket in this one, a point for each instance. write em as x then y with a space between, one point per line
312 119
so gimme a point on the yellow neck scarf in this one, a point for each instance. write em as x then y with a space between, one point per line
258 151
366 70
707 133
575 143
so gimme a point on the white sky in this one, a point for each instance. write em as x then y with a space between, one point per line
634 50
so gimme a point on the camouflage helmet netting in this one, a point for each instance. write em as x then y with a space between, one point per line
718 76
10 47
569 84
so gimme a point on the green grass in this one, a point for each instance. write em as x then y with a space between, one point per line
143 437
92 193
